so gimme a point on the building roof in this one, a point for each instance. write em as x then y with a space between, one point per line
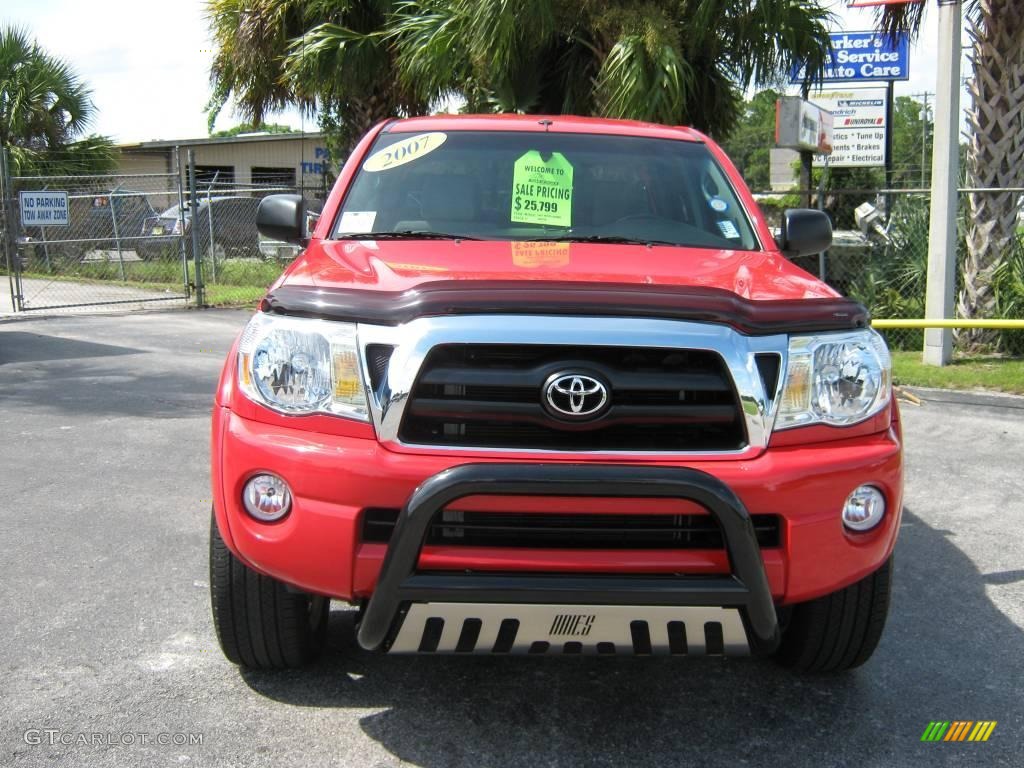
242 138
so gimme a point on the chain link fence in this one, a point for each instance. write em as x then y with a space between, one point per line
879 256
76 241
134 240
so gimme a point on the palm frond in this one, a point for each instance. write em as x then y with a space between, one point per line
428 38
644 84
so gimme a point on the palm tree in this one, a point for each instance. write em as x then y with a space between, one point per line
346 64
681 62
356 61
328 56
995 153
44 108
251 39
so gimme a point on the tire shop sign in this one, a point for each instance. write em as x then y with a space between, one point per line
43 209
863 56
858 126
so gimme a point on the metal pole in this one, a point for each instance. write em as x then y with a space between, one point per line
942 235
42 235
209 220
890 112
181 223
194 227
9 242
924 139
117 235
46 248
806 160
822 273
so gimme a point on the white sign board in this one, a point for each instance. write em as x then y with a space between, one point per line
43 209
802 125
858 126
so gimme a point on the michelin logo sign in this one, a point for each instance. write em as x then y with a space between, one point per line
863 57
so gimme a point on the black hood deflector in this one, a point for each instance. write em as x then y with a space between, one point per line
518 297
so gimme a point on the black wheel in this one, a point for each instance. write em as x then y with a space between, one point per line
839 631
260 623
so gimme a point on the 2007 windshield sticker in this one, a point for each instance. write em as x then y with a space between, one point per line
404 151
542 190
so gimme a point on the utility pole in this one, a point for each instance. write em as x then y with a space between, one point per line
890 129
939 298
924 139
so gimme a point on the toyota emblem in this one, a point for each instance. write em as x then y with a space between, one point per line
573 395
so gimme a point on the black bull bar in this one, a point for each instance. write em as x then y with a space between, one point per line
399 582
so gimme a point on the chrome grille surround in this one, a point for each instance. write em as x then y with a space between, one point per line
414 340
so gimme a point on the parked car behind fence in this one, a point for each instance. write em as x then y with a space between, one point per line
226 228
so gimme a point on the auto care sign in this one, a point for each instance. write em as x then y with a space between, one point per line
43 209
858 126
863 57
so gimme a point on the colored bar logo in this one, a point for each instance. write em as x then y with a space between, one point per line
958 730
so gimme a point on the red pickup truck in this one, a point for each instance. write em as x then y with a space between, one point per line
550 385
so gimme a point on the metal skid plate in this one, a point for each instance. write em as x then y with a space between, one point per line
518 628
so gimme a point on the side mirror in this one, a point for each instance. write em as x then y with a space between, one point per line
804 232
282 217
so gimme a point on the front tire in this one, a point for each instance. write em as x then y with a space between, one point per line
260 623
841 630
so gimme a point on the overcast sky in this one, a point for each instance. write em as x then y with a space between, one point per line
148 63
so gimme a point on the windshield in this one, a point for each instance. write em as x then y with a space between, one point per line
540 186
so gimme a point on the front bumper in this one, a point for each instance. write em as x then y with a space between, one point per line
334 478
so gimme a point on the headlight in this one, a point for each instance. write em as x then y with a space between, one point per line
836 379
299 366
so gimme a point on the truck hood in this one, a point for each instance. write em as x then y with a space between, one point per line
397 266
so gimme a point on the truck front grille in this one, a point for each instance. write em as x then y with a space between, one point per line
570 531
492 396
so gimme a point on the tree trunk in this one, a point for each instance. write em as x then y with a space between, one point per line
995 156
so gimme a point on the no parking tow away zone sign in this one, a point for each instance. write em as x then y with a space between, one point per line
43 209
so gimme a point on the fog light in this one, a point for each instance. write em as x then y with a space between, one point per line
864 508
267 498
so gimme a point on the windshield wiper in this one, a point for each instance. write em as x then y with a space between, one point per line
405 234
614 239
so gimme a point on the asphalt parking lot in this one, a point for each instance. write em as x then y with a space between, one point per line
106 629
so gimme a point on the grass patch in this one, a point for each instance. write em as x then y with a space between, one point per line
999 374
245 273
239 282
233 295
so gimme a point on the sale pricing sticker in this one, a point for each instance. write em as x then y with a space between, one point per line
404 151
542 190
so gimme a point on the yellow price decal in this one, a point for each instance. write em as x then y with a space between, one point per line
404 151
534 255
